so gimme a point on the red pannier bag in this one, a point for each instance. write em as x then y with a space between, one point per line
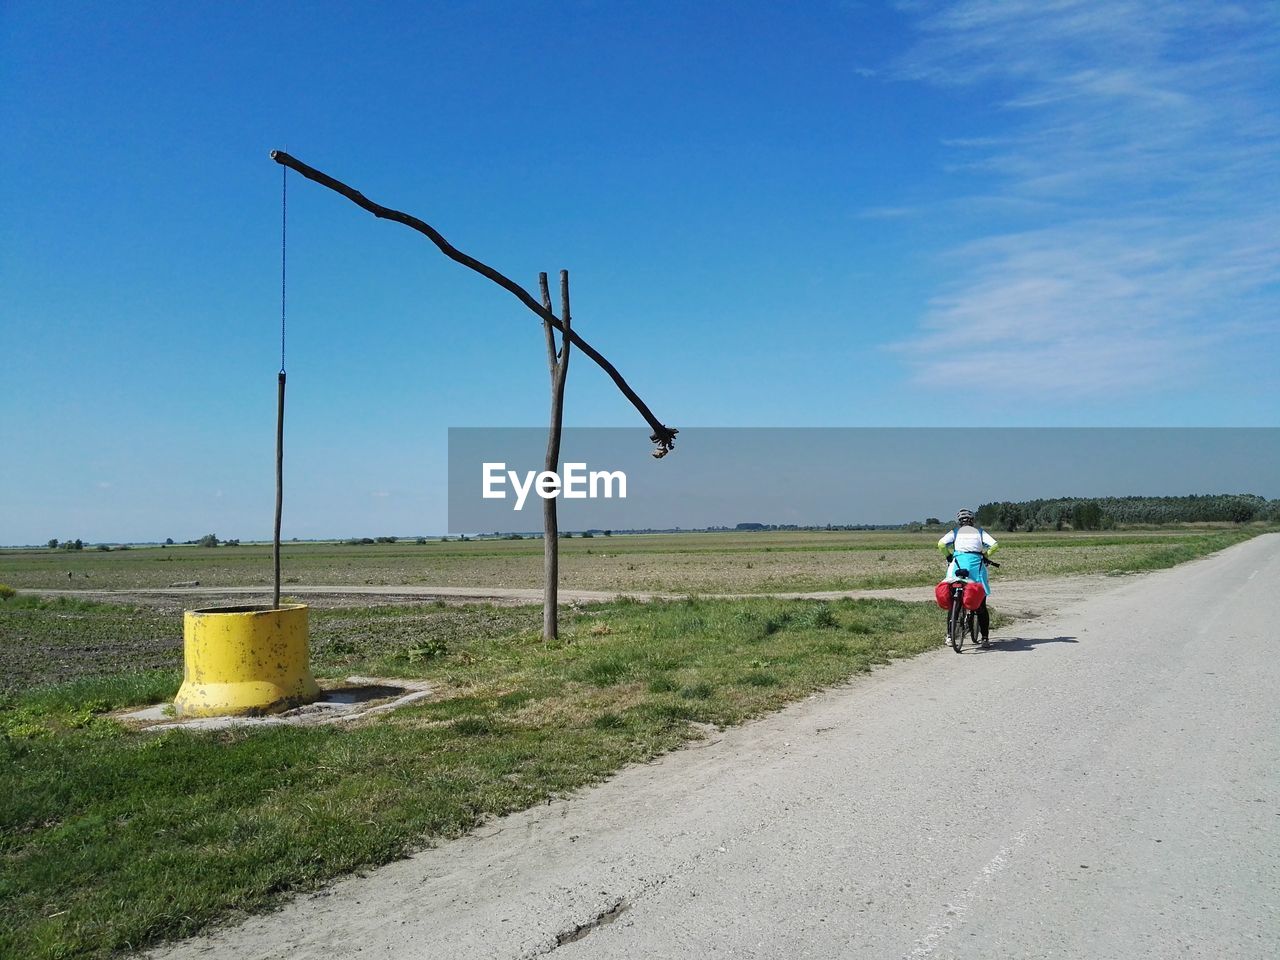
974 595
942 593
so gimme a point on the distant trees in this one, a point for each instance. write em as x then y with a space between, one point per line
53 543
208 540
1086 515
1103 513
76 544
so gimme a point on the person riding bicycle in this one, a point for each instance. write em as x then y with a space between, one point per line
967 546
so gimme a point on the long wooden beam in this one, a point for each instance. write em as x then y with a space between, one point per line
663 435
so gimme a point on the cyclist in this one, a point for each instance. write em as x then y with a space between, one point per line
966 547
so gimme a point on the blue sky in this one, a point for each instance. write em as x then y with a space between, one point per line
829 214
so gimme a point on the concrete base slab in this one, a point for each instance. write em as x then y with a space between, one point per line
345 700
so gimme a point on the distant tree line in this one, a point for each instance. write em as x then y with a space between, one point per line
788 527
1105 513
78 544
211 540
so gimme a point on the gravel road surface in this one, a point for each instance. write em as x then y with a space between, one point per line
1103 783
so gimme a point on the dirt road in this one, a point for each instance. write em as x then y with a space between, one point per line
1103 783
1020 598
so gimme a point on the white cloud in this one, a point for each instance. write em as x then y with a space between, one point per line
889 213
1091 307
1135 177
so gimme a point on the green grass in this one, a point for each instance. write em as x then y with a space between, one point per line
114 839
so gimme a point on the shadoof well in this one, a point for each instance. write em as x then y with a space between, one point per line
256 659
253 659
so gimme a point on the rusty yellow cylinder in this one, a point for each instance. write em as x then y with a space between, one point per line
245 660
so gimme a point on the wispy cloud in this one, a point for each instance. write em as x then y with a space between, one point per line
1135 164
889 213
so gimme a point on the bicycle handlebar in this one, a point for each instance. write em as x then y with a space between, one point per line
985 559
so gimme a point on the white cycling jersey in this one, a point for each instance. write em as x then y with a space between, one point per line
967 539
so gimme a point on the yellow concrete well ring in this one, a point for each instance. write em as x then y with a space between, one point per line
244 661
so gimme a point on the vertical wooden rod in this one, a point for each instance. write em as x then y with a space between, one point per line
284 261
275 601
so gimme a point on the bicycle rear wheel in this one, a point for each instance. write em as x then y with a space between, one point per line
955 623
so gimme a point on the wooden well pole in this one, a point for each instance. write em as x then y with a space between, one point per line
558 366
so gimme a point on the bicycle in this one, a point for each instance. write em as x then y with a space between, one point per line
962 622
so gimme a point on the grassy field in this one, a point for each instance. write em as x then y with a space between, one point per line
698 563
112 839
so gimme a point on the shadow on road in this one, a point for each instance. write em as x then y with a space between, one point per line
1011 644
